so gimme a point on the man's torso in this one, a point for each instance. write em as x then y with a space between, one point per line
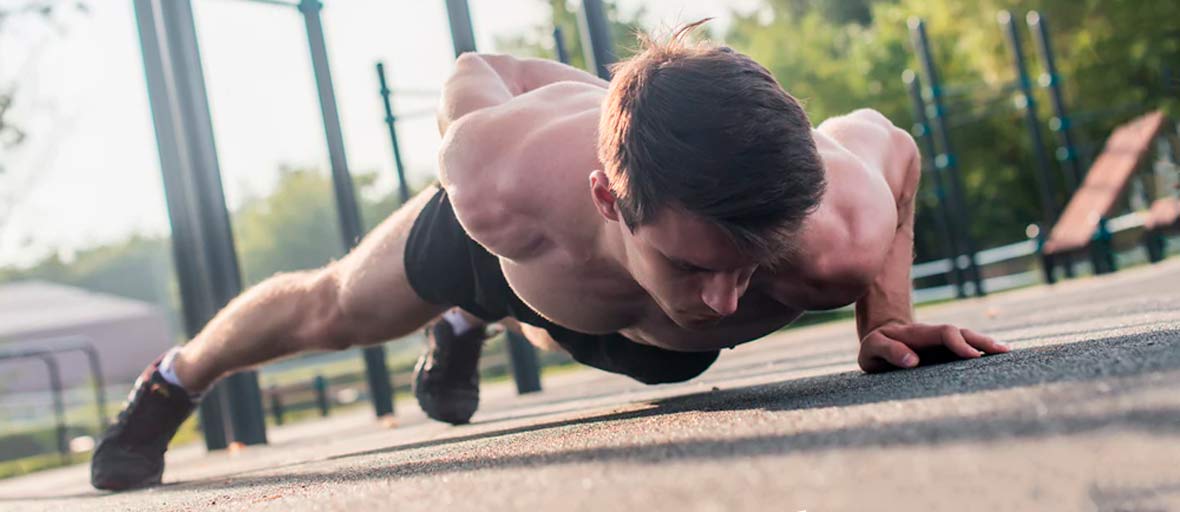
528 179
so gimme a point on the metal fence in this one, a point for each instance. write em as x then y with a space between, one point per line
1017 264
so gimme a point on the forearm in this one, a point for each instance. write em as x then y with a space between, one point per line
889 297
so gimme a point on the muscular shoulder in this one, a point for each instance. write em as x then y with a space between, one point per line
870 137
845 242
494 165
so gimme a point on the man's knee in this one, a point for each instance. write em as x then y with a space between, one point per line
644 363
324 313
679 368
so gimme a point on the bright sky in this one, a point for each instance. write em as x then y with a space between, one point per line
89 173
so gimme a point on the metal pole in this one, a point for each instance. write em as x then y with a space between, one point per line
376 372
943 217
100 400
320 385
59 408
206 263
462 33
596 41
559 49
526 371
1033 124
186 237
242 395
276 405
946 159
1060 123
391 123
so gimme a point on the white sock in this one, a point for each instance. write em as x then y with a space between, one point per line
458 322
169 373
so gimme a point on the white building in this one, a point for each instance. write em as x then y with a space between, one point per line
127 334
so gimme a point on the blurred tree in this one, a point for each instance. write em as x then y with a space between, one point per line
293 228
13 73
537 41
1119 58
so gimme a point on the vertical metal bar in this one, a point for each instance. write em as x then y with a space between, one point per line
391 123
596 41
376 371
320 385
350 223
1060 123
59 408
190 249
525 368
559 48
462 31
1032 123
943 217
100 400
276 405
946 159
243 397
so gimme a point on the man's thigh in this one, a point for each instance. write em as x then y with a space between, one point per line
375 293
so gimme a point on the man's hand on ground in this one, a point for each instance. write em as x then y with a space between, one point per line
894 346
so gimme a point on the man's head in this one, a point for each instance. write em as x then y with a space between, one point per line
711 168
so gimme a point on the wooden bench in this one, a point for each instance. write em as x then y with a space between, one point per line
1162 219
1081 228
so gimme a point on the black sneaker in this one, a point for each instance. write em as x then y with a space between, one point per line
446 378
131 452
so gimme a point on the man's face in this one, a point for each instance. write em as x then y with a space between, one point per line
689 267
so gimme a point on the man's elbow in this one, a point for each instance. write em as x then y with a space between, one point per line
909 161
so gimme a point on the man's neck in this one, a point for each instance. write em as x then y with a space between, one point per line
613 251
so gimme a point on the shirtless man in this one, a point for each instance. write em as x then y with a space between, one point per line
641 225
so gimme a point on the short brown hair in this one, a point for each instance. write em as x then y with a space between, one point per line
704 128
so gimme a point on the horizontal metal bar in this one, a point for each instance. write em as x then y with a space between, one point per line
273 2
1006 252
1133 220
931 268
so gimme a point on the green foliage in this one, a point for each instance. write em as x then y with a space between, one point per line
835 56
537 41
1109 53
1118 59
293 228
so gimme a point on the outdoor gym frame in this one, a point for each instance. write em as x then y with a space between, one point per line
206 262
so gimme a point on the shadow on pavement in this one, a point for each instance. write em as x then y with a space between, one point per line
982 428
1103 359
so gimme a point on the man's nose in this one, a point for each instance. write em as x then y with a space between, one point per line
723 289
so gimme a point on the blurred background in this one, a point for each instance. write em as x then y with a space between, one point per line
85 243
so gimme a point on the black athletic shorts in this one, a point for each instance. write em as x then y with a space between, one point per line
446 267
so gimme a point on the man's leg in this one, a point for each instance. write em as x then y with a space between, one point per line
446 378
362 299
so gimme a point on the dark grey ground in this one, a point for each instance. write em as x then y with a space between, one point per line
1084 414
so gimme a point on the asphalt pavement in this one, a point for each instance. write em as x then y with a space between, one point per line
1083 414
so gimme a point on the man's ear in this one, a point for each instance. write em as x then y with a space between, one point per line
604 199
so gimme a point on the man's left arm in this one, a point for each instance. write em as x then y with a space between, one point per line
884 315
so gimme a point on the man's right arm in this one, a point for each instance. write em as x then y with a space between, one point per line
485 80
